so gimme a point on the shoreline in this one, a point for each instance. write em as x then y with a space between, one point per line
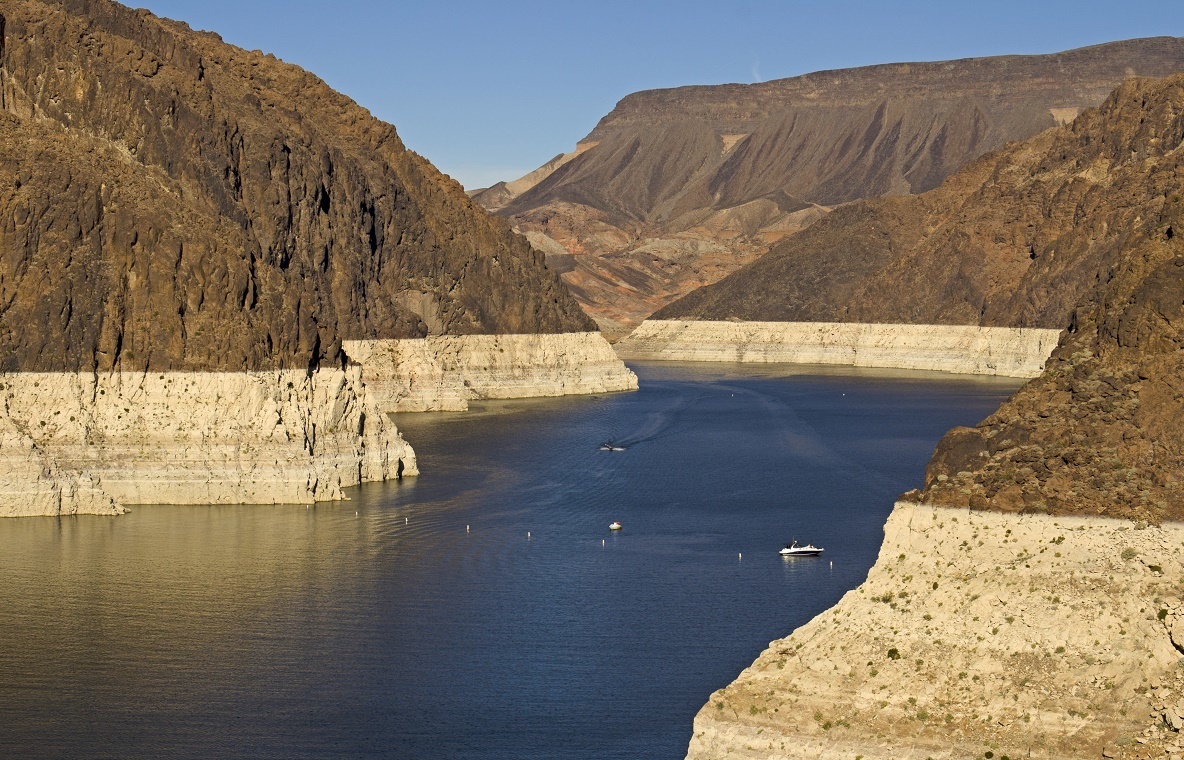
961 349
85 443
1028 635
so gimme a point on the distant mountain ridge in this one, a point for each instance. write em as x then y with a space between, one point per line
684 185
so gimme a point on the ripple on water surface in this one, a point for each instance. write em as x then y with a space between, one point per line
419 620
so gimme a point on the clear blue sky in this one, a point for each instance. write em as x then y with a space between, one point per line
490 89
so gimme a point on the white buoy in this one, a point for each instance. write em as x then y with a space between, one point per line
832 564
528 534
466 529
602 542
740 555
405 520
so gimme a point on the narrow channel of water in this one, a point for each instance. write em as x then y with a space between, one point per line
483 610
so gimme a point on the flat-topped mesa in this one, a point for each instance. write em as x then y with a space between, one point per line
683 186
1019 238
185 214
964 349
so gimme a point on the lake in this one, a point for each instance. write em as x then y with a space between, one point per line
484 609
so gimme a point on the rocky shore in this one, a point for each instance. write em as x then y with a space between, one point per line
83 443
967 349
977 634
443 373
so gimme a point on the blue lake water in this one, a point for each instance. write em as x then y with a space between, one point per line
419 620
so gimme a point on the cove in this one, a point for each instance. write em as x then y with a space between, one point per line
419 620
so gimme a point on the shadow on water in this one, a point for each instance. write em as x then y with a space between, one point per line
483 609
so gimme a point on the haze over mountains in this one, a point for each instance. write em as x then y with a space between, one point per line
676 188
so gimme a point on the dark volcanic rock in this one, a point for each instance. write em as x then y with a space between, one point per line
719 173
168 201
1076 228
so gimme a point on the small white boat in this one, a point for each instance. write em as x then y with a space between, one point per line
793 550
614 525
610 447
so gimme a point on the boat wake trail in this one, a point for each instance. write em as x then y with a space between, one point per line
655 426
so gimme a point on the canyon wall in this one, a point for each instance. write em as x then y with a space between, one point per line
976 632
443 373
79 443
967 349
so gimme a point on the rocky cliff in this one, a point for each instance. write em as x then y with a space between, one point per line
170 205
676 188
1027 601
195 184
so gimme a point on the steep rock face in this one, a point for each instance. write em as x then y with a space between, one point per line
84 443
685 185
1102 430
194 184
188 233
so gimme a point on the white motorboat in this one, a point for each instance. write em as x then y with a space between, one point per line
793 550
610 447
614 525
